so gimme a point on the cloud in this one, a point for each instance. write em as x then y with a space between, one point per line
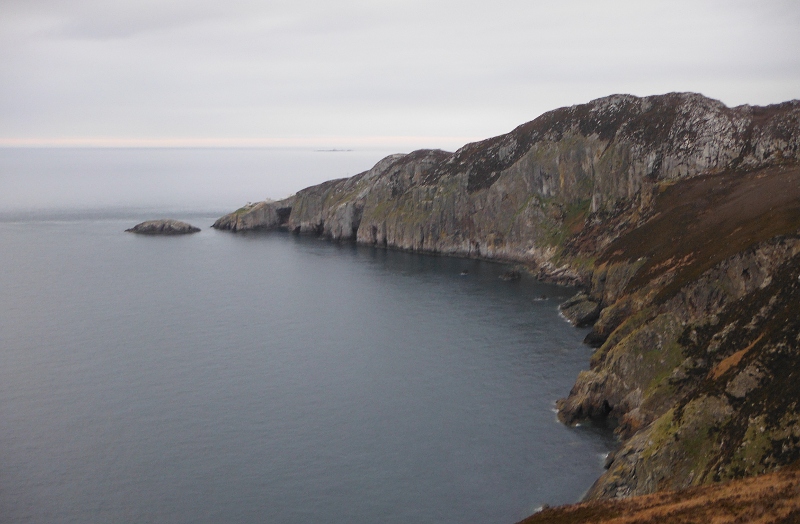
276 70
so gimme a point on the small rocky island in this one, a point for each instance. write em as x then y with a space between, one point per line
163 226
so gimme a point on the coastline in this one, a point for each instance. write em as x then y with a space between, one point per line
670 212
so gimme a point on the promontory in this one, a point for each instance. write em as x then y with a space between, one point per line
679 217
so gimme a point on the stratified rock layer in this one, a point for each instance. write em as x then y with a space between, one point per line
679 217
163 226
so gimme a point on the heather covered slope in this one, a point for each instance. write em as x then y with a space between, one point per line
768 499
679 216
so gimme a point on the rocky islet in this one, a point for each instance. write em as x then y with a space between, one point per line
163 226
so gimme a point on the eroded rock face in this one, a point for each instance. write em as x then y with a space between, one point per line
580 310
163 227
261 215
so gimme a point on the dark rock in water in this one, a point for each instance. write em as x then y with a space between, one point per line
163 227
580 310
511 275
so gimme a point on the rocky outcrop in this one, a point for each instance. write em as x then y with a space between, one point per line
163 226
679 217
261 215
580 310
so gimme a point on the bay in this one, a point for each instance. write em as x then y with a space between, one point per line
275 378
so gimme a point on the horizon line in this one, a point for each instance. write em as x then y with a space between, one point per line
184 142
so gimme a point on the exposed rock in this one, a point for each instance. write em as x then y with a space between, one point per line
580 310
262 215
163 226
744 382
511 275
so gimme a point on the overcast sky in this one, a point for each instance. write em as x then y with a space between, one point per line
356 73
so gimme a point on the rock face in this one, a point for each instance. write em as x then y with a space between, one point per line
580 310
679 217
163 227
262 215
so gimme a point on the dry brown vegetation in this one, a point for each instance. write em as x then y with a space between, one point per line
767 499
700 222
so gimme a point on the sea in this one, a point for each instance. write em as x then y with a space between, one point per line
263 377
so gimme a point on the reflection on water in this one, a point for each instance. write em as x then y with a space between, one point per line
267 377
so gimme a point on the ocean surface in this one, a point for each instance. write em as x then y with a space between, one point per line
267 377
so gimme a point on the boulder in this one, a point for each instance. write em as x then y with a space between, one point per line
580 310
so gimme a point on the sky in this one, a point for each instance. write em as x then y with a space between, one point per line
354 73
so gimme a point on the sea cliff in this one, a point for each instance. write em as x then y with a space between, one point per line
680 219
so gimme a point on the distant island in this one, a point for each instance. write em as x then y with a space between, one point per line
679 217
164 226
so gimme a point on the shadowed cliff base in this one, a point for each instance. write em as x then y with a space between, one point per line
768 499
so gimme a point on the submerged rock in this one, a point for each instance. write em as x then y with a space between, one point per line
511 275
164 226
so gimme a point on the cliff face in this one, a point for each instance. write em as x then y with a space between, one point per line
519 196
681 219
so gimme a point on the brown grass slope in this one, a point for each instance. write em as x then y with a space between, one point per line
768 499
700 222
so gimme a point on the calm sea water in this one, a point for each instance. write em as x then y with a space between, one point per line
273 378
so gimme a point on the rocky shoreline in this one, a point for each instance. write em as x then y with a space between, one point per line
680 219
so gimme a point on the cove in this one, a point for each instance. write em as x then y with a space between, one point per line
270 377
